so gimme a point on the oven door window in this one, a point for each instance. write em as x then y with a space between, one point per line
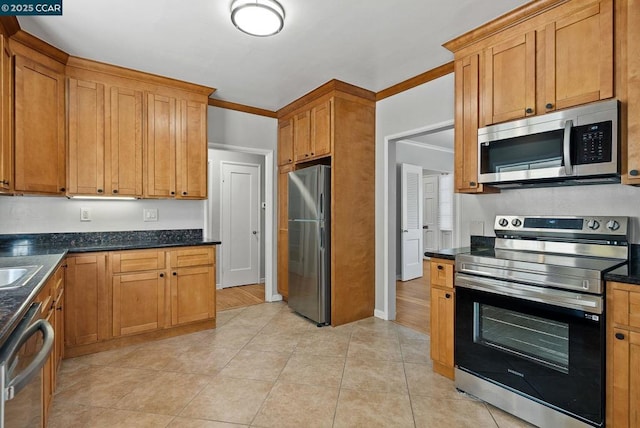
536 339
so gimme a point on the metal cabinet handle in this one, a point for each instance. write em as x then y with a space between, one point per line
619 336
440 267
173 193
99 190
633 172
529 110
175 273
184 193
115 190
548 106
161 275
472 183
447 296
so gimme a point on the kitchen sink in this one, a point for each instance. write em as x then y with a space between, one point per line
17 276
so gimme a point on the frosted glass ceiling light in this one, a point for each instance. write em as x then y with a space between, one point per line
257 17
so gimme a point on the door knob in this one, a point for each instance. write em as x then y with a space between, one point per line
405 231
425 227
255 232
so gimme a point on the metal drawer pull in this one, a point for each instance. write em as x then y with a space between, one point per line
619 336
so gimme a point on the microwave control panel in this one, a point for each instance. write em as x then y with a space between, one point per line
592 143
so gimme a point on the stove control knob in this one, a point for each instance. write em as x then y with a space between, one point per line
503 222
613 225
593 224
516 222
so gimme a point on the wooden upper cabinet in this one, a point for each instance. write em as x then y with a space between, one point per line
160 147
191 151
509 81
321 129
124 160
283 196
6 102
579 57
86 127
285 142
629 31
466 124
39 128
302 136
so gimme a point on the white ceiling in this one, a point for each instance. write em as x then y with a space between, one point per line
371 44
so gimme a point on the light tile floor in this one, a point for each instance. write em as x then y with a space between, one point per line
264 366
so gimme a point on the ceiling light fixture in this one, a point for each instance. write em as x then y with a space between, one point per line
259 18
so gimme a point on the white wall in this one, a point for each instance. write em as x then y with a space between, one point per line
432 160
35 214
600 200
427 104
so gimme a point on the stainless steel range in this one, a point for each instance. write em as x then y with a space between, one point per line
530 320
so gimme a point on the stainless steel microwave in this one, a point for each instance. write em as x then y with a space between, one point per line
574 146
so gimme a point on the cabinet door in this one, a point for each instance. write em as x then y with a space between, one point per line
124 166
86 295
191 154
285 142
283 197
138 302
442 311
39 128
192 294
631 175
579 57
160 149
302 136
321 129
509 82
626 379
48 378
466 123
86 138
58 351
6 141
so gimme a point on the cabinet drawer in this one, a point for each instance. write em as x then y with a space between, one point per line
137 261
195 256
626 306
442 272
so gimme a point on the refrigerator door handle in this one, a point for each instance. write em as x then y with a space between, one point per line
321 203
322 237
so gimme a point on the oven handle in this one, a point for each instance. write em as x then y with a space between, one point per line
566 146
564 299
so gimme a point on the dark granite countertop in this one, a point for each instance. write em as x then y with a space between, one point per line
630 272
15 302
478 243
447 254
50 249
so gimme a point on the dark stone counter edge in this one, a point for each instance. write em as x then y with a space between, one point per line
14 303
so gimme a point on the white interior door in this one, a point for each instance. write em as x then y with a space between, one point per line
240 224
411 232
430 231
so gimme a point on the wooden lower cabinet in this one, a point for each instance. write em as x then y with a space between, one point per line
442 316
623 355
123 297
138 302
192 294
87 317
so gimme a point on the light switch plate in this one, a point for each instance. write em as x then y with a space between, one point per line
85 214
150 214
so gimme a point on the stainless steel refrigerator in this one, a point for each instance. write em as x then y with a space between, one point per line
309 243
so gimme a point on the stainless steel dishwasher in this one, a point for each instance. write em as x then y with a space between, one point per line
21 361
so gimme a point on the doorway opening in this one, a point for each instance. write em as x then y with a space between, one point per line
264 290
434 145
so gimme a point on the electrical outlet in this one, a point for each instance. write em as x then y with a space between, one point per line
85 214
150 214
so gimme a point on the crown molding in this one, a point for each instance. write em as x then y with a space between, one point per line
241 107
418 80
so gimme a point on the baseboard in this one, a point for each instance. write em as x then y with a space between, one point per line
275 298
380 314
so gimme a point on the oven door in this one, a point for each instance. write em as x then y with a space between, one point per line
508 334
